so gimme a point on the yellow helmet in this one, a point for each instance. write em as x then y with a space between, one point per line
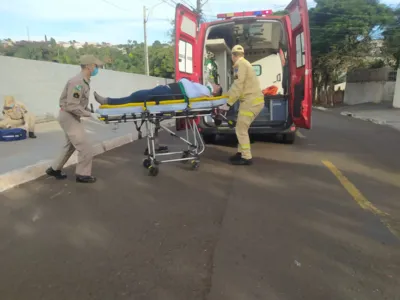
238 49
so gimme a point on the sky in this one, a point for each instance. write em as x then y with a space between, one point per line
112 21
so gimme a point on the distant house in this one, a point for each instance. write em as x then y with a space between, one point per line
7 43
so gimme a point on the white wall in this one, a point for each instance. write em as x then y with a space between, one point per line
396 97
39 84
369 92
388 91
341 86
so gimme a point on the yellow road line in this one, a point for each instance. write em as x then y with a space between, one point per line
352 190
359 197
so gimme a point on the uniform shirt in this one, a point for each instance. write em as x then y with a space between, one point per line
17 112
13 110
195 90
246 86
75 96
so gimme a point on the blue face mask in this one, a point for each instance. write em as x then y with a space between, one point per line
94 72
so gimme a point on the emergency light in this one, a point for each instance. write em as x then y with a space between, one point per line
257 13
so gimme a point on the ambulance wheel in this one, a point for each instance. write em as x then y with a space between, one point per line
146 163
289 138
153 171
194 164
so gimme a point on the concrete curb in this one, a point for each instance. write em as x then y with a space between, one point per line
17 177
354 115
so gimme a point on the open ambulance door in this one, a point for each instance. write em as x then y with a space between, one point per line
300 64
186 50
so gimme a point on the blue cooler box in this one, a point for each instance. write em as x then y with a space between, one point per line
278 109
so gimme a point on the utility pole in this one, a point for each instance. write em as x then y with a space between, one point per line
198 10
146 50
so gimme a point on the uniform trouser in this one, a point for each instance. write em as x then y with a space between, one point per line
159 93
28 121
75 139
245 118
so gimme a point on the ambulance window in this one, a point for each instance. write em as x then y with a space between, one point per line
300 54
257 69
185 57
188 26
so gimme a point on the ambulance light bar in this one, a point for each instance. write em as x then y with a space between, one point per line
257 13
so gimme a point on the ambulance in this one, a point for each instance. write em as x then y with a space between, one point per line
278 47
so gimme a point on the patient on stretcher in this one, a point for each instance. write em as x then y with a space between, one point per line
173 91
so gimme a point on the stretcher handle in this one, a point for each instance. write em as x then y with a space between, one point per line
218 115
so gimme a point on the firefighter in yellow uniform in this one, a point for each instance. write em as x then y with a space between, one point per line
246 89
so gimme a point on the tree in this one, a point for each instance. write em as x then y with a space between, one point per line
341 35
125 57
391 36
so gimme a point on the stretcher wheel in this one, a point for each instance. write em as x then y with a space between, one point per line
153 171
146 163
194 164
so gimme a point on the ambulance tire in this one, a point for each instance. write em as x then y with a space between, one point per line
289 138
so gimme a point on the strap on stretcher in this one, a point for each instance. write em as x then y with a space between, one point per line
139 128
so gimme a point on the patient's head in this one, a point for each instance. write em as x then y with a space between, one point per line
217 90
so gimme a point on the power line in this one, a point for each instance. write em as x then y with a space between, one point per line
113 4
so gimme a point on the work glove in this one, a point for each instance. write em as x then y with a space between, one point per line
225 107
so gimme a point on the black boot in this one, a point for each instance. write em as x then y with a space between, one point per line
160 149
57 174
237 156
242 162
32 135
101 100
85 179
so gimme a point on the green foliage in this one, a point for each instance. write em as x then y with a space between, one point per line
341 39
392 37
341 35
125 58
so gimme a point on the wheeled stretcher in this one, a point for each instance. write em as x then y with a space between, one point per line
152 113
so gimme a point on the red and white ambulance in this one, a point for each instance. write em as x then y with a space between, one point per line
279 49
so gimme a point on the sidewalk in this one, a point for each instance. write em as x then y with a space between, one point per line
22 161
381 113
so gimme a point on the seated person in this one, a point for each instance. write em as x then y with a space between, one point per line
172 91
16 115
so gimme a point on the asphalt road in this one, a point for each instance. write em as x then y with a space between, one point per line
314 220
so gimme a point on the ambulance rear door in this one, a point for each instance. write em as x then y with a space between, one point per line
300 64
186 48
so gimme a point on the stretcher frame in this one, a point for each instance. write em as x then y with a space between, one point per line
152 122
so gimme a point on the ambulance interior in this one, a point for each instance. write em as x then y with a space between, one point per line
265 48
